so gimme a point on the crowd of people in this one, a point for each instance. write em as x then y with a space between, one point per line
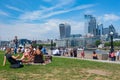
34 55
114 55
29 56
73 52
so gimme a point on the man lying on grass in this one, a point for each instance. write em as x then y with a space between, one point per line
12 59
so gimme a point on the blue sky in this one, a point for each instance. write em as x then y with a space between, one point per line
40 19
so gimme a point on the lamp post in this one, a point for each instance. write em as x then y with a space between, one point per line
51 46
111 43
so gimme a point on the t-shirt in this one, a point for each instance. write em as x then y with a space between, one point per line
10 59
43 51
56 51
38 58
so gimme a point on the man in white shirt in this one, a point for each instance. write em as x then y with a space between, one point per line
56 52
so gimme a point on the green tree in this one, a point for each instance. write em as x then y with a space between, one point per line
98 42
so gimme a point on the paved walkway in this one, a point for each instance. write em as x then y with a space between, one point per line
104 61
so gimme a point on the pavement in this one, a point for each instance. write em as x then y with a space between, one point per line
104 61
89 58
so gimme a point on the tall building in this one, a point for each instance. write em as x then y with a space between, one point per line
90 25
112 29
65 30
105 31
99 30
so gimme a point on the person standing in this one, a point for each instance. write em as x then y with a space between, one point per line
75 52
113 56
16 44
71 52
82 54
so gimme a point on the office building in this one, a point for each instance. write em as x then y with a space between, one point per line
65 30
99 30
105 31
112 29
90 25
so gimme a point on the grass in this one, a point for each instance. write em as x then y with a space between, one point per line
62 69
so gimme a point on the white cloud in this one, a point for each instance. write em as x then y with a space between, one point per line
112 17
60 2
57 4
41 14
31 15
69 10
14 8
66 2
3 13
47 0
108 19
46 30
88 11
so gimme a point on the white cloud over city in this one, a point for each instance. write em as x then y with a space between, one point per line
46 30
40 19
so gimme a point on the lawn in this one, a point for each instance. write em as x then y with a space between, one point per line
62 69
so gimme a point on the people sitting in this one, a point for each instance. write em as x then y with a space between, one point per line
44 51
26 54
39 58
38 55
48 59
56 52
94 55
12 59
29 56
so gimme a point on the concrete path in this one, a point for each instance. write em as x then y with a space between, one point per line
104 61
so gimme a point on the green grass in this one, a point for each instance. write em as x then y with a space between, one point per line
62 69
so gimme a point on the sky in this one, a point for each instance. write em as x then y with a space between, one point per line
40 19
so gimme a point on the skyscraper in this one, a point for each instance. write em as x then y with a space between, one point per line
112 29
99 30
90 25
65 30
105 31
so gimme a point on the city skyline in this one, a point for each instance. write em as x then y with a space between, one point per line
40 19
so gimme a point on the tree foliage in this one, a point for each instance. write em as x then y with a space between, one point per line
98 42
116 43
46 45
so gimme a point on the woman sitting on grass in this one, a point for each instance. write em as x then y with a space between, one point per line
26 54
38 56
94 55
12 59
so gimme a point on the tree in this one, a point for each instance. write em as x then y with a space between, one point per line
98 42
